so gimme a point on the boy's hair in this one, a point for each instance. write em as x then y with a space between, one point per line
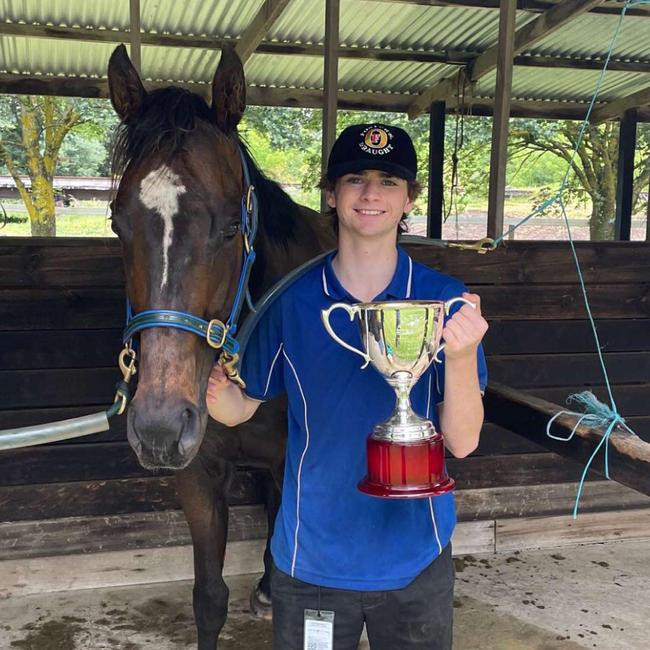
413 188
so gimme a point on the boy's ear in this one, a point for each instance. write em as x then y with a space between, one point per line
330 198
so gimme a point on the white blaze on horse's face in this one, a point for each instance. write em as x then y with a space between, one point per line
159 191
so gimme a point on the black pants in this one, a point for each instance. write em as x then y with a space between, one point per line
417 617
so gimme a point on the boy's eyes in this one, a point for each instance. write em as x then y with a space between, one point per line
359 179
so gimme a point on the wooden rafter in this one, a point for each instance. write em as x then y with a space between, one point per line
268 13
135 36
616 109
532 6
397 55
525 37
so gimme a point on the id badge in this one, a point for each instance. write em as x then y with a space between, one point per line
319 630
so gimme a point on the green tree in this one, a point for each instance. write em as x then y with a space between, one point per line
594 167
32 133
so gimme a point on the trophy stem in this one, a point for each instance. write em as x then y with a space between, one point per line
404 425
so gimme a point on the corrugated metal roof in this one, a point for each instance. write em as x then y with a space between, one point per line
363 23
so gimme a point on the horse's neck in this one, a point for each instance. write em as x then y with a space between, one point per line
312 237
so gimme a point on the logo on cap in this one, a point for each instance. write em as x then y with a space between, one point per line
375 141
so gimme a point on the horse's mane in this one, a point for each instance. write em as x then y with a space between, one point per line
161 127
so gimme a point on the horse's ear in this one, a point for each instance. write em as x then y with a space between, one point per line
125 88
228 90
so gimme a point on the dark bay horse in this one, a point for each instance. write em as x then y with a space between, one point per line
177 213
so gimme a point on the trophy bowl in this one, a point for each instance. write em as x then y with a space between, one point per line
406 455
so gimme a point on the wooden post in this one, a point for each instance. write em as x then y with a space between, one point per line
647 217
136 56
331 79
436 168
625 177
499 154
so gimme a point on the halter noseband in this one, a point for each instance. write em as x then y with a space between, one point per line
217 334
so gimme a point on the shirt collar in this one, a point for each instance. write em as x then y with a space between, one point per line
399 288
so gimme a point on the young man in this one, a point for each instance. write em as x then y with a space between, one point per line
383 562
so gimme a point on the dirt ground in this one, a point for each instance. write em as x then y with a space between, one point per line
589 596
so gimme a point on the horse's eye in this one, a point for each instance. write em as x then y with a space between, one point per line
231 230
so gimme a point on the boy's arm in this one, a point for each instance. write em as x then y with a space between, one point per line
461 412
227 403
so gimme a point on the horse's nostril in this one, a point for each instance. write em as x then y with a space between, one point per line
187 439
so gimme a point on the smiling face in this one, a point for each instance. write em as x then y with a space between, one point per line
369 204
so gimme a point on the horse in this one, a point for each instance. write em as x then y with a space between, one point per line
181 173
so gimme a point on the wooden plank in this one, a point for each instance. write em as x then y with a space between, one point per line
108 497
253 35
554 532
629 456
500 57
118 568
61 387
62 309
60 349
72 535
632 400
473 537
523 371
569 336
545 500
83 264
557 301
625 176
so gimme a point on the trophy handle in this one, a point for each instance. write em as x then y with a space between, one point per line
448 305
352 310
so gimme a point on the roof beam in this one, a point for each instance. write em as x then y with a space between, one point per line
525 37
448 57
254 34
616 109
14 84
533 6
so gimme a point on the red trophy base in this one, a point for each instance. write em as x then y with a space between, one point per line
405 470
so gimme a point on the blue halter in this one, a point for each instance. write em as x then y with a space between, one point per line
217 334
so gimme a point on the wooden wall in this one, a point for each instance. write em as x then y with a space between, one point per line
62 311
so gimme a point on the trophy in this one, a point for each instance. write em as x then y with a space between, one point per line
406 455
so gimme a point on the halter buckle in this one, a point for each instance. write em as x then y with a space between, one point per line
224 329
249 199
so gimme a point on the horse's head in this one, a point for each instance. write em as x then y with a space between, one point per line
177 212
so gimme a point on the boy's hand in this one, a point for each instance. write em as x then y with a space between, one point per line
217 382
464 330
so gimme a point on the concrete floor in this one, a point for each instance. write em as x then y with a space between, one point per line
591 596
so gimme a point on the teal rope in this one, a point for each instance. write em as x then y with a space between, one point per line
596 414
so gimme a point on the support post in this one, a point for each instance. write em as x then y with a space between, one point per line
330 87
136 48
499 153
647 217
625 177
436 169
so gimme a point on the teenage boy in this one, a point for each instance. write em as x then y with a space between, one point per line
350 557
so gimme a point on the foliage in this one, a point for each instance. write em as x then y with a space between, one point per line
33 130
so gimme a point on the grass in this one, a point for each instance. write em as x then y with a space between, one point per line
67 225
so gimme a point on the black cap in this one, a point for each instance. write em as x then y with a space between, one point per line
373 146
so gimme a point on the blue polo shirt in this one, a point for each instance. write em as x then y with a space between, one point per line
327 532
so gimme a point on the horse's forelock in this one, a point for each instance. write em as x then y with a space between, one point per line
160 128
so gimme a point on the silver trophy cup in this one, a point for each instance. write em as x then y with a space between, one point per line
401 340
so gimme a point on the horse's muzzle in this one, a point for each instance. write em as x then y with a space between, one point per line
167 436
